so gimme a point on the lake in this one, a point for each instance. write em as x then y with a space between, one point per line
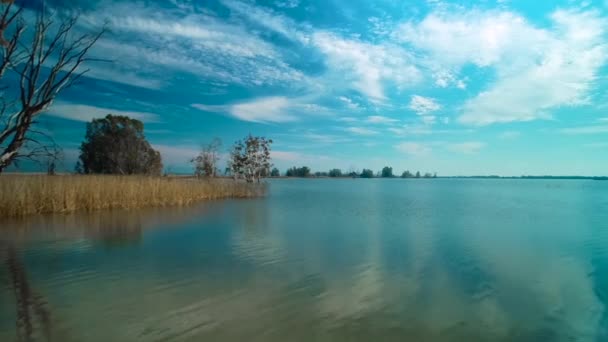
321 260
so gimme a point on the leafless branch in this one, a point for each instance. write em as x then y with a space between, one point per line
45 65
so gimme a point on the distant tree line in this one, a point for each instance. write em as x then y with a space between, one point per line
303 172
386 172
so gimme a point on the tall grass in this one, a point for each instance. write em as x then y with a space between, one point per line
22 195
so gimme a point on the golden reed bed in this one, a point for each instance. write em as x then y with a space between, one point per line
22 195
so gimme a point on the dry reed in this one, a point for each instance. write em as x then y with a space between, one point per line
22 195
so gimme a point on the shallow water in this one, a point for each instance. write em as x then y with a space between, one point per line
321 260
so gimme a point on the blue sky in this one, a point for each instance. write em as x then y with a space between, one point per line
454 87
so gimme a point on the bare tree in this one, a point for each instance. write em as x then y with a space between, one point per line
205 164
34 67
251 158
52 159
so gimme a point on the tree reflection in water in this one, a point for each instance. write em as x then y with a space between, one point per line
33 315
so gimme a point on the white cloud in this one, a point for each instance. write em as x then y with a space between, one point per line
121 75
429 119
321 138
361 131
419 129
378 119
414 148
202 31
262 110
268 19
85 113
367 66
349 103
507 135
585 130
275 109
470 147
536 69
198 44
287 3
422 149
347 119
271 109
454 37
423 105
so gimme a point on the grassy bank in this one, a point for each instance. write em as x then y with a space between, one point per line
22 195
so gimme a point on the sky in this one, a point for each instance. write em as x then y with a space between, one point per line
505 87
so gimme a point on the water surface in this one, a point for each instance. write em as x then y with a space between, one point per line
320 260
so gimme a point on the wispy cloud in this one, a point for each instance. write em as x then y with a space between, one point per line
275 109
81 112
121 75
423 105
268 109
469 147
361 131
411 130
287 3
367 66
199 44
349 103
508 135
414 148
422 149
378 119
268 19
347 119
586 130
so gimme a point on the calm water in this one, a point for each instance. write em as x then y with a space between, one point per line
321 260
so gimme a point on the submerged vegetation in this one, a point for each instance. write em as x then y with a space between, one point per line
35 194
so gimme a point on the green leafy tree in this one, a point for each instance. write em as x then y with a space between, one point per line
335 173
407 174
417 174
303 172
275 173
367 173
428 175
117 145
387 172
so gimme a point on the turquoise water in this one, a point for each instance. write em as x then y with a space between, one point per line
321 260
